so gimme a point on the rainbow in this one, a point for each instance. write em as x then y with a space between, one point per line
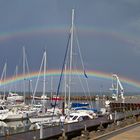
32 31
90 74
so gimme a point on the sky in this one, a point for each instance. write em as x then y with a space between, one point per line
108 33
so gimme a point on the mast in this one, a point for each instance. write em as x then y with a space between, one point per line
44 81
4 78
24 72
71 50
42 66
65 86
44 77
51 87
16 73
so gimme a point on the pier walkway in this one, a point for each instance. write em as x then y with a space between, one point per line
55 131
130 132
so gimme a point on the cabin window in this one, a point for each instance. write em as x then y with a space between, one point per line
71 116
80 118
1 108
75 118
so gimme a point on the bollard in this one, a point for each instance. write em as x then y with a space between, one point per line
85 127
115 117
41 131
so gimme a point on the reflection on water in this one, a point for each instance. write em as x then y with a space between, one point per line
22 126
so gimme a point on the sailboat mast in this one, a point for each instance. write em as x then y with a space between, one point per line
51 87
44 78
5 69
65 85
16 73
24 72
71 50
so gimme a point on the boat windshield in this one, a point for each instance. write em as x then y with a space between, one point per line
71 116
74 118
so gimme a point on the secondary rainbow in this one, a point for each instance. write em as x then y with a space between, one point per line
90 74
43 29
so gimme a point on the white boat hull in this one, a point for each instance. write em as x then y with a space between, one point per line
43 119
16 99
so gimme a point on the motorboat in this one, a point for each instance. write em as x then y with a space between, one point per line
78 116
14 97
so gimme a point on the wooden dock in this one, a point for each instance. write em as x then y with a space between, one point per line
55 131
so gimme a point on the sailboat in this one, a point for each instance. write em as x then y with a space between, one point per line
45 114
68 67
13 96
5 113
19 111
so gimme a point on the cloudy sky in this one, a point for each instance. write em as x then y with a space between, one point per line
108 33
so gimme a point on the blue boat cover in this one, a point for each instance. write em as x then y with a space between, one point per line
83 108
73 105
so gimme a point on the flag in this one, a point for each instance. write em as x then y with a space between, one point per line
85 74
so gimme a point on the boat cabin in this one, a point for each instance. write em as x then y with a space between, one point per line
76 117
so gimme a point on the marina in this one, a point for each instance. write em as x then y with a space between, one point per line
24 129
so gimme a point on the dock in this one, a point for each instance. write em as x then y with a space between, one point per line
55 131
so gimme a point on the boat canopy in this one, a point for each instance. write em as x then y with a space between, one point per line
75 105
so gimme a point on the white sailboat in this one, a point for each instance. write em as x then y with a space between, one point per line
72 65
3 109
13 96
44 114
67 64
19 111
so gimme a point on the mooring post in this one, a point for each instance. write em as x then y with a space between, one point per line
115 116
85 127
41 131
